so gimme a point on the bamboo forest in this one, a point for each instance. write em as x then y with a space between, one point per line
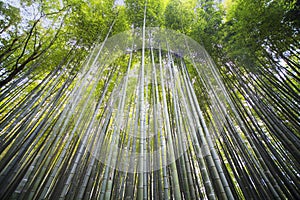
149 99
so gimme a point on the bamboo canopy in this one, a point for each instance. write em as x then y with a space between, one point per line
147 117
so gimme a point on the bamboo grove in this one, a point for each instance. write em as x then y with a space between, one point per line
146 113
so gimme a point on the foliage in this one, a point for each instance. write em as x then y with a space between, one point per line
180 15
135 11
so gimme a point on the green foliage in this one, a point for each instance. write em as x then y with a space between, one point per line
122 22
180 15
10 18
206 28
89 21
154 15
252 26
51 29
